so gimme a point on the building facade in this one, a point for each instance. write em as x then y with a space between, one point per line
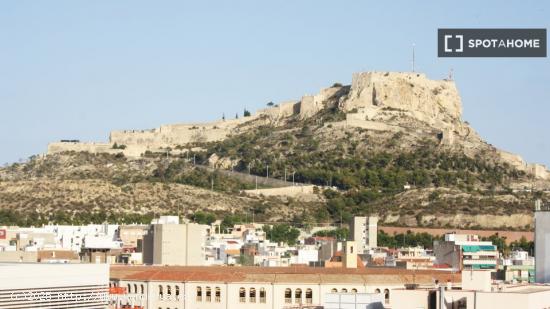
171 243
37 285
364 231
257 287
463 251
542 242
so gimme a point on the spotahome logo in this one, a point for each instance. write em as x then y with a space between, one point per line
491 42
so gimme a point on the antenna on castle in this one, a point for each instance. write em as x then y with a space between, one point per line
413 57
451 74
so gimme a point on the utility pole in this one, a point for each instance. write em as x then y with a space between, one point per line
212 184
248 168
256 183
293 184
285 174
194 160
267 170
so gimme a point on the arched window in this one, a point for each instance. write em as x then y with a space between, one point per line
354 291
252 295
199 294
309 296
262 296
288 296
298 296
377 291
129 287
387 296
344 290
242 295
208 294
334 290
169 290
161 292
177 290
135 288
142 289
218 295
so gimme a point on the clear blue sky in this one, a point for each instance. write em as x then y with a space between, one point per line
78 69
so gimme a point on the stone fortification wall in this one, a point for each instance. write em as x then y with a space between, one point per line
80 146
312 104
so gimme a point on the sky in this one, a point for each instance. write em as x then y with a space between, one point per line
79 69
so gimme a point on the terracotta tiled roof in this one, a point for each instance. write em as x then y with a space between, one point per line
279 274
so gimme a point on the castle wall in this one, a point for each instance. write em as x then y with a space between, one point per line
310 105
79 147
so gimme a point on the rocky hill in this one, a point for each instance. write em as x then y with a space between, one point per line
390 143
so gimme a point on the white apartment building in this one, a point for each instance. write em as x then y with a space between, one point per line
464 251
36 285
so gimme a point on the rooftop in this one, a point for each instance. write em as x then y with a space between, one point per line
315 275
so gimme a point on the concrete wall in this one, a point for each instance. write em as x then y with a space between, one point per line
406 299
446 253
542 246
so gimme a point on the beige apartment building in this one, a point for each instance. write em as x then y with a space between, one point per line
163 287
364 231
174 244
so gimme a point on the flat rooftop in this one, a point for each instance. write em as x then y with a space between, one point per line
298 274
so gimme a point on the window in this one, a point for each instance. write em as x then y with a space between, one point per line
309 296
135 288
387 296
344 290
218 295
169 290
351 249
262 296
199 294
177 291
377 291
208 294
129 287
142 289
252 295
334 290
242 295
161 293
288 296
298 296
354 290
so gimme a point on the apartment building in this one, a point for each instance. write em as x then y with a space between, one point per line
364 231
464 251
169 243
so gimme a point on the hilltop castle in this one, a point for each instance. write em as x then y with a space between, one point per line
382 101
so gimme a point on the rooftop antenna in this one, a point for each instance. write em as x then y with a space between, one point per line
413 57
451 71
